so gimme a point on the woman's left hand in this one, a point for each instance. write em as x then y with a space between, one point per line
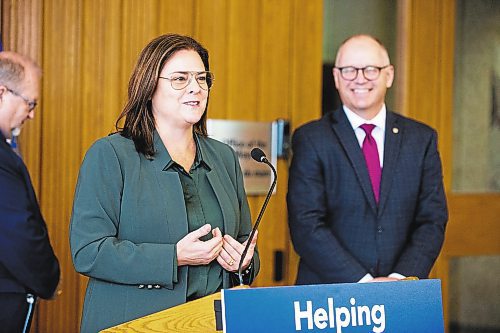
230 256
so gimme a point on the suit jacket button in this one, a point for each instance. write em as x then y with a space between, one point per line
380 229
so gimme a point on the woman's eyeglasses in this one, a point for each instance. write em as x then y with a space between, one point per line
180 80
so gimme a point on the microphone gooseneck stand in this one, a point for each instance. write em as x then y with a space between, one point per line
259 156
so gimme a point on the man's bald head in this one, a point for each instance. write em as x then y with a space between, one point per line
15 68
362 39
19 91
362 75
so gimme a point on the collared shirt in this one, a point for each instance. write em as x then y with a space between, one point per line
378 132
202 207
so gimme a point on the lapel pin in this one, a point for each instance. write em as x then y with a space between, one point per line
395 130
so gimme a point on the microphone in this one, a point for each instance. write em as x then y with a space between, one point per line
259 156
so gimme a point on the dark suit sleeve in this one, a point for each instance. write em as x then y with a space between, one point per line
431 216
312 238
25 251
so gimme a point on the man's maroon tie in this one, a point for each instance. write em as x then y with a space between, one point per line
372 160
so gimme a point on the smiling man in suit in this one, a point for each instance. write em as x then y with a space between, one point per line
365 196
28 265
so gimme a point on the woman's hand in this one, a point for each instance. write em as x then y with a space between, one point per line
193 251
230 256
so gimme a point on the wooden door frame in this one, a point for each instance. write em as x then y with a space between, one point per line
426 47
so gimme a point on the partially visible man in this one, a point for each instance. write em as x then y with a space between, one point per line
28 265
365 199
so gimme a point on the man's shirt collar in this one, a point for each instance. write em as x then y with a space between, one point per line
356 121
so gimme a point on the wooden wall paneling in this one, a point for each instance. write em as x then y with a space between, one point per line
429 37
139 27
89 49
247 57
425 80
426 55
21 32
305 83
400 62
242 61
212 30
474 229
176 17
446 71
115 87
103 91
273 98
307 41
273 61
60 145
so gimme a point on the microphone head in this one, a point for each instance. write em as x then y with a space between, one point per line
258 154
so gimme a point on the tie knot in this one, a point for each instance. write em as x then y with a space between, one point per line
368 128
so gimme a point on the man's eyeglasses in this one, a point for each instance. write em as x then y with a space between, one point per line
31 104
350 73
180 80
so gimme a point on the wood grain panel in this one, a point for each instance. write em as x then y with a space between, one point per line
139 26
272 97
473 229
242 59
103 86
22 33
426 32
194 317
61 135
425 58
427 36
305 81
445 96
266 56
176 16
212 30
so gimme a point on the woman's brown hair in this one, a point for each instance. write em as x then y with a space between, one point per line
139 121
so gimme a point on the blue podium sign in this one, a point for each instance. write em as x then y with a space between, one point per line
395 307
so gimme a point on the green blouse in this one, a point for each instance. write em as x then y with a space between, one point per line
202 207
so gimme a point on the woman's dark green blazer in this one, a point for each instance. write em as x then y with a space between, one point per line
128 215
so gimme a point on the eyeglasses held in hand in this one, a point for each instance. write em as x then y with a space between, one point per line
31 104
350 73
180 80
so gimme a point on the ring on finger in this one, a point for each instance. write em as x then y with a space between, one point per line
231 262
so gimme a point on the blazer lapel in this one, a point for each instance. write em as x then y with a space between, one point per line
218 188
392 146
345 134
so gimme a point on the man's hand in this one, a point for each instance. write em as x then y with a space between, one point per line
383 279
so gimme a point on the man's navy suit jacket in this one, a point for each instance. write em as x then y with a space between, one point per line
27 260
337 228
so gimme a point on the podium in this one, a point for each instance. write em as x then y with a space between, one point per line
402 306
